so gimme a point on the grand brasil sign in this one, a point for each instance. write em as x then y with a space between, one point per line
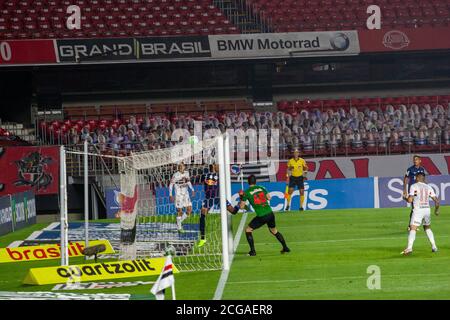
183 48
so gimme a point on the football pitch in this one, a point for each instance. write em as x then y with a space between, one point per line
331 251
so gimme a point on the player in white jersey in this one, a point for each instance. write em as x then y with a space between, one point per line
420 194
182 182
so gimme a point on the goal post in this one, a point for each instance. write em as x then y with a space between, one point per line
64 223
223 202
227 164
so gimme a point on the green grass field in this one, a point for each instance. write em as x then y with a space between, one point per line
331 251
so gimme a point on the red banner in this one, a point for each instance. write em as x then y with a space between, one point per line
369 166
29 168
27 52
404 39
16 52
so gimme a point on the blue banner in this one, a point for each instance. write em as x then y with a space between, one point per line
161 200
112 203
320 194
164 206
6 224
17 211
391 190
24 209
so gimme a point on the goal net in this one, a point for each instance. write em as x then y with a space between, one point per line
162 193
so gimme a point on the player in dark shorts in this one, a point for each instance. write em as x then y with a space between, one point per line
211 188
410 179
259 200
297 169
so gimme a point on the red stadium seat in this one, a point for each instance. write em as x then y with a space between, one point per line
349 14
35 19
46 19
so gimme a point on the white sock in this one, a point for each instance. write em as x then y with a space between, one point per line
411 238
178 222
430 237
184 217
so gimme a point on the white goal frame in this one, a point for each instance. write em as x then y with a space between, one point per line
223 159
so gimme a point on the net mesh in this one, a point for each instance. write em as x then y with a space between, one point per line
148 216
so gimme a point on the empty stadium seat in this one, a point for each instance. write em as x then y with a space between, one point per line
29 19
42 19
323 15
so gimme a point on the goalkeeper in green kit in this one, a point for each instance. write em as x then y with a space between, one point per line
259 200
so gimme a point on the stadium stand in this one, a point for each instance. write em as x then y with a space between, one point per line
46 19
368 125
329 15
112 112
319 127
79 119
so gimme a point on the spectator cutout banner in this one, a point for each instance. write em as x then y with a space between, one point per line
33 169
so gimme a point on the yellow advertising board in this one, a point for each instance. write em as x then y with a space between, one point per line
96 271
46 252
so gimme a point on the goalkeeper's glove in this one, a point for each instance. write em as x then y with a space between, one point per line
235 210
436 210
238 207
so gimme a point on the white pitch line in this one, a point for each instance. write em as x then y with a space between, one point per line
15 244
52 226
337 224
345 240
335 278
224 275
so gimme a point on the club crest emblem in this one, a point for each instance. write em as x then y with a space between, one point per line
31 171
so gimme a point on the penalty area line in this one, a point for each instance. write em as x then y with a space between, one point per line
344 240
333 278
224 275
